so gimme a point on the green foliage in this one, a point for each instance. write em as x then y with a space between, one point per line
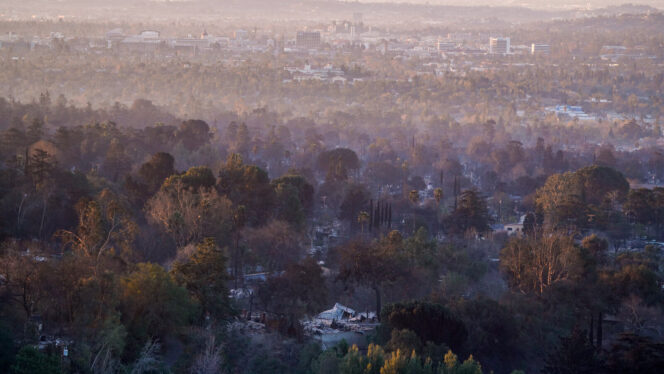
404 340
263 363
571 197
376 361
327 363
305 191
29 360
471 214
431 322
248 186
307 357
195 178
152 304
298 291
370 265
7 349
451 365
288 205
204 275
355 200
493 331
635 354
574 354
193 134
337 163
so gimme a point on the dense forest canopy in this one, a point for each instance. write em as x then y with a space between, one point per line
200 210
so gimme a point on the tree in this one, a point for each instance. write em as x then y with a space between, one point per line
641 206
105 226
275 245
249 186
404 340
431 322
414 198
560 199
534 263
635 354
204 275
288 205
152 304
210 360
42 168
493 331
29 360
7 348
156 170
369 265
196 178
337 163
451 365
600 181
305 191
574 354
571 196
438 195
193 134
471 213
23 279
356 199
362 219
189 215
116 161
300 290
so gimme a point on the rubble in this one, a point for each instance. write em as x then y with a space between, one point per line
340 323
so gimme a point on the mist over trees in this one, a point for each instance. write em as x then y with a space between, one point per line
174 210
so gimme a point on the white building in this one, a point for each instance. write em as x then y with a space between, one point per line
499 46
536 49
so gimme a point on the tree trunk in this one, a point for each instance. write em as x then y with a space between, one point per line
591 329
378 306
41 223
599 331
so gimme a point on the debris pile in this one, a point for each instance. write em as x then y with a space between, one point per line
340 319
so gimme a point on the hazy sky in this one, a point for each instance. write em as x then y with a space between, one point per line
534 3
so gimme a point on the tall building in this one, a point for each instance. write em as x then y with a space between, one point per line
499 46
536 49
308 39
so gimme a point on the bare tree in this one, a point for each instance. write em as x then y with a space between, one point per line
209 361
188 215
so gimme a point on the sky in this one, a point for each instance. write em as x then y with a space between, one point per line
551 4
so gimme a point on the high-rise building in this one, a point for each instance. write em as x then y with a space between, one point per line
499 46
536 49
308 39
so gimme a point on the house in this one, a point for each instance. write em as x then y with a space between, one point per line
515 228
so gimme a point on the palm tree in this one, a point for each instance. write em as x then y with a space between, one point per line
414 198
362 218
438 195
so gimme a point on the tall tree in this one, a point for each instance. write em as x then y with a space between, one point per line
471 213
204 274
249 186
369 265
